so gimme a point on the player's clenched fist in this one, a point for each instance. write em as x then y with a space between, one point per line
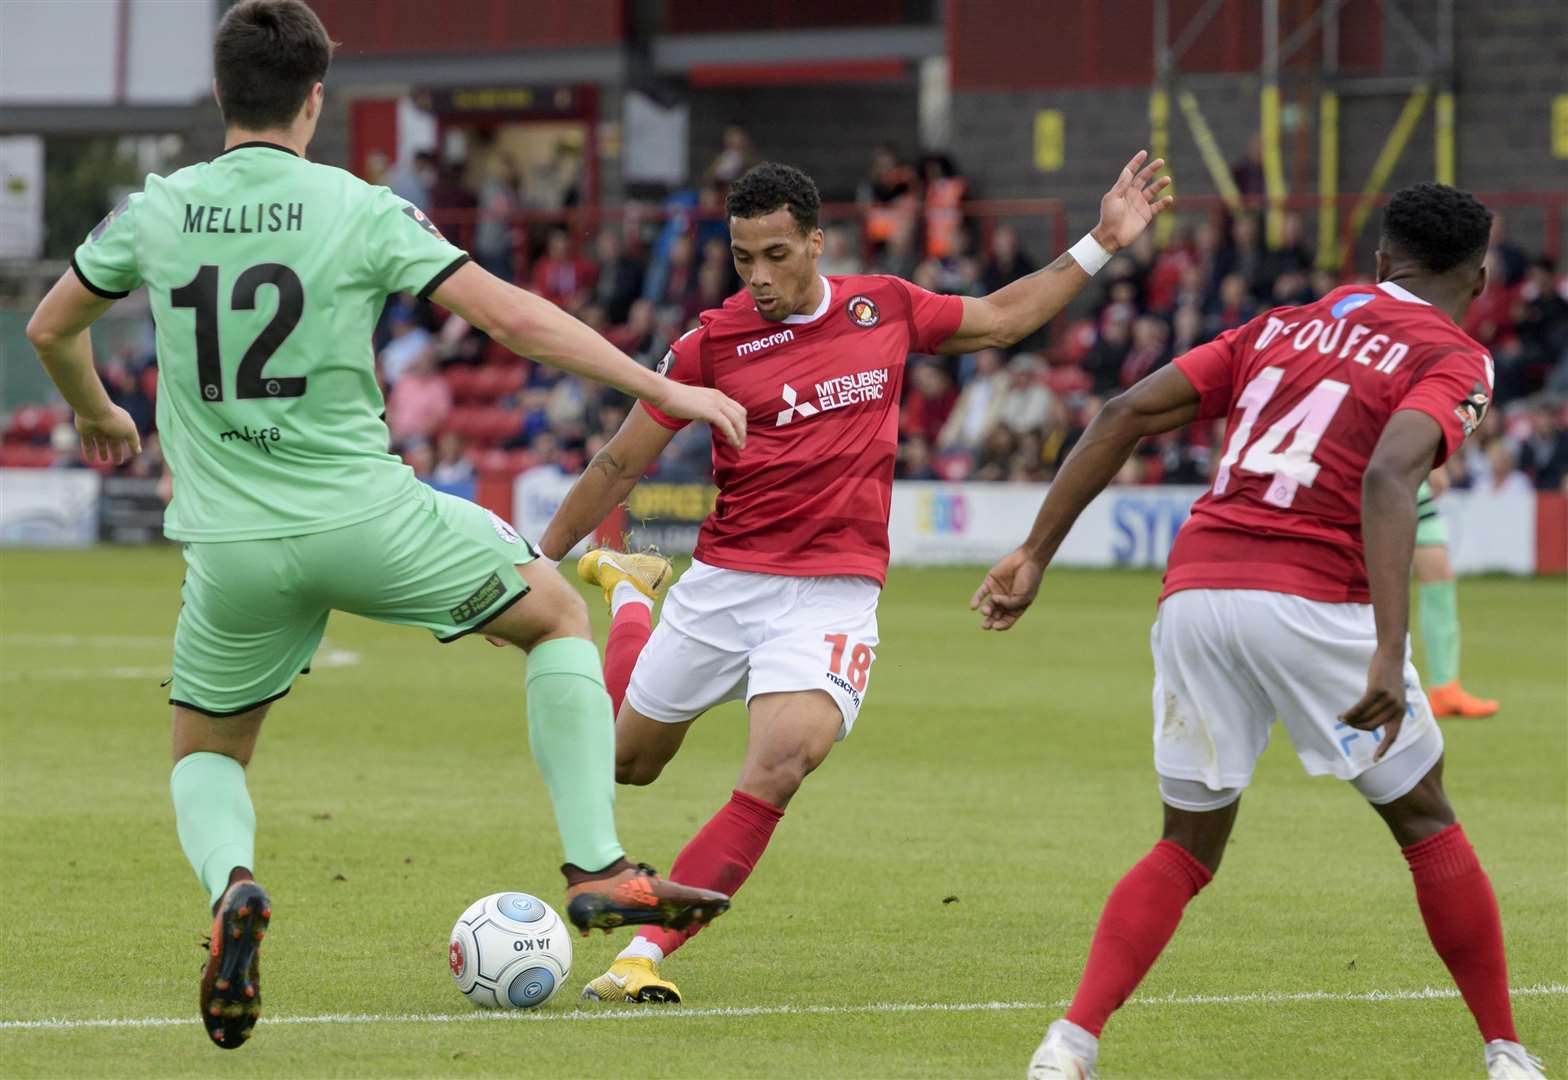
701 403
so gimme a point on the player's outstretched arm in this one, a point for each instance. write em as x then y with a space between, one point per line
610 476
58 331
1159 402
1402 459
531 326
1017 310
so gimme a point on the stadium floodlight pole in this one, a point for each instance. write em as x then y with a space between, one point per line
1443 141
1328 143
1273 166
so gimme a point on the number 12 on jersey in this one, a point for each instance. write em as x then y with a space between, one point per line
1309 419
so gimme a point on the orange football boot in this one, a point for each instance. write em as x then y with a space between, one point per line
231 981
1451 699
637 895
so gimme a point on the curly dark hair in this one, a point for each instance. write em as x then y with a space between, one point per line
769 186
1438 226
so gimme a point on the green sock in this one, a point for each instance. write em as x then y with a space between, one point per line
1440 631
213 814
572 736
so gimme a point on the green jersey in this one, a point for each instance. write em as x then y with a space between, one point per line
266 274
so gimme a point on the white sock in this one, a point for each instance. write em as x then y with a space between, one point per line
641 946
626 593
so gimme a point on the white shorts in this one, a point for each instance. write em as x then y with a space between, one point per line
1228 662
728 635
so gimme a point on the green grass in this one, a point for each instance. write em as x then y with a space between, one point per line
1009 771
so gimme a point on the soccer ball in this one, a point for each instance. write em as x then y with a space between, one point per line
510 950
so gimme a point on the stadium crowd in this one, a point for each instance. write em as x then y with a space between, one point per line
458 404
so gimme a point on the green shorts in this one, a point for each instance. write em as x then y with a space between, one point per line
1430 530
253 611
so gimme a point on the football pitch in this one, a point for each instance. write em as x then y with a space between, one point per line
924 908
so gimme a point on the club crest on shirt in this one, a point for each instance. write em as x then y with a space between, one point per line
663 367
425 223
1472 410
108 219
863 311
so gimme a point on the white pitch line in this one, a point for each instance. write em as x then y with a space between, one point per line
1269 997
327 656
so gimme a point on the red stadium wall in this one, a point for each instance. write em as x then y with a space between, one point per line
1001 45
385 27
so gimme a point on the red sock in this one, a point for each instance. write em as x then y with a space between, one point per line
1460 911
1140 916
629 631
720 856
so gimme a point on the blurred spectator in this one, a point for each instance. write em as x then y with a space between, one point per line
838 253
914 461
897 256
888 196
562 277
453 473
619 280
414 181
1104 362
1233 306
408 343
497 203
1544 454
1006 261
1511 261
635 336
126 391
716 253
419 403
1248 171
1150 336
944 196
1027 403
66 446
978 405
712 290
552 184
736 157
419 457
1244 254
672 283
1186 329
1490 319
1501 475
1292 257
1542 319
928 404
1167 272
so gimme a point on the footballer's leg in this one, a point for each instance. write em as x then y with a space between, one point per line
217 828
790 735
1140 916
632 583
1457 904
245 632
1439 622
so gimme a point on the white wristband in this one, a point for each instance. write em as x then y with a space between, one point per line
1088 254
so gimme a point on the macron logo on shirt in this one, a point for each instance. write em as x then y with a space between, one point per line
768 342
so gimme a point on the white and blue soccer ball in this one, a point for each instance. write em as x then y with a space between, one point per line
510 951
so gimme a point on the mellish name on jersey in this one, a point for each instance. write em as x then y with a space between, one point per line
246 218
1328 336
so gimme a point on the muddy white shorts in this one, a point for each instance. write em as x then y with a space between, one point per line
1229 662
729 635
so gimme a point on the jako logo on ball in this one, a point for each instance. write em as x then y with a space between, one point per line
510 951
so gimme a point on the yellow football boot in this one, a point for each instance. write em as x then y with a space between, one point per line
648 573
633 979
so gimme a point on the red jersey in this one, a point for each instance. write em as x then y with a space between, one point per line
1307 392
809 496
